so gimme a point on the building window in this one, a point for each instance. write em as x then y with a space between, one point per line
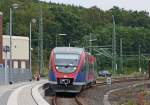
15 64
23 64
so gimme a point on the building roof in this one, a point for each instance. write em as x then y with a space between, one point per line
16 37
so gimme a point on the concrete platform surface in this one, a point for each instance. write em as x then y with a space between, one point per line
24 94
6 90
21 93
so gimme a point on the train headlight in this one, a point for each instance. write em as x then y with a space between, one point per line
57 67
74 68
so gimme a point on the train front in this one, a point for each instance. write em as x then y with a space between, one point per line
65 70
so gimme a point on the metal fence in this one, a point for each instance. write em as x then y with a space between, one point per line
15 75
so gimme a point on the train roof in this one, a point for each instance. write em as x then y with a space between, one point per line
68 50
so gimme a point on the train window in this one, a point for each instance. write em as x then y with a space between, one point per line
67 56
67 59
66 63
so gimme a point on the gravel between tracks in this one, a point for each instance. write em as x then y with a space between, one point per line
62 101
67 101
133 95
95 95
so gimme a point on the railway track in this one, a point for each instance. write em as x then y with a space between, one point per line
77 100
118 80
54 100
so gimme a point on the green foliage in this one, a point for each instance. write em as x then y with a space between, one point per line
130 102
78 23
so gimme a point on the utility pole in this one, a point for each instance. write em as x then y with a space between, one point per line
121 56
41 39
6 72
6 49
30 47
10 29
38 61
10 44
91 40
56 41
7 28
140 58
14 6
114 65
90 43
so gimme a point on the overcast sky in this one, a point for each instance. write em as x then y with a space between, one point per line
107 4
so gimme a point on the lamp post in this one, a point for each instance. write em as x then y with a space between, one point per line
10 29
59 35
14 6
30 44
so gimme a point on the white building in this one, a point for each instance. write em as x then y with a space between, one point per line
20 51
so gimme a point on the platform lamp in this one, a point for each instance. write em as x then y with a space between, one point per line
30 44
14 6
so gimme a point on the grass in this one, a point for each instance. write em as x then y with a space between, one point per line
139 99
101 78
130 102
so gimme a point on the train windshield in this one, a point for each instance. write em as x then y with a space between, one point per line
66 62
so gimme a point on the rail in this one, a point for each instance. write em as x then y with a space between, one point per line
78 99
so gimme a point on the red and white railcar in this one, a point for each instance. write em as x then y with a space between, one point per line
71 68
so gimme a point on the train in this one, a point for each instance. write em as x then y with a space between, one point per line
71 69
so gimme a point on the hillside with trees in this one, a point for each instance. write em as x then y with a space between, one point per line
78 23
